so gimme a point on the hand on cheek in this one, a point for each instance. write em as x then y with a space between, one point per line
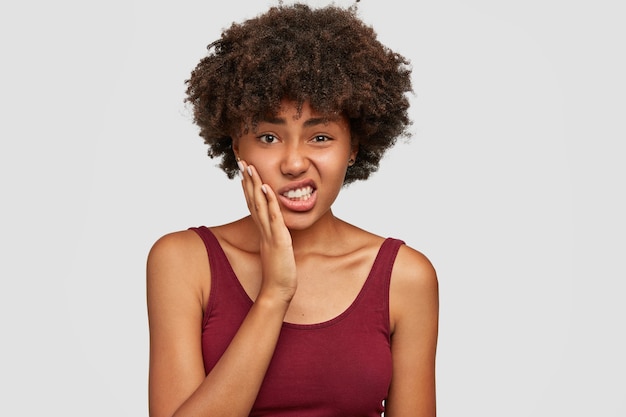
277 258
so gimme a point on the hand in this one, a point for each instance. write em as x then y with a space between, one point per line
276 250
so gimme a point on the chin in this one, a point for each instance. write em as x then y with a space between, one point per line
298 222
297 226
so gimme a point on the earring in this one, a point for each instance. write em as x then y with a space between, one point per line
350 162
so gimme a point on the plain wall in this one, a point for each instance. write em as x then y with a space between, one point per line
513 186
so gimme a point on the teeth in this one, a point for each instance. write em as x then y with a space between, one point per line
299 194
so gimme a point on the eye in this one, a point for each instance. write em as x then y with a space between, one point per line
320 139
267 138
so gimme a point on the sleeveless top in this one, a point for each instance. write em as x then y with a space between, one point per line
340 367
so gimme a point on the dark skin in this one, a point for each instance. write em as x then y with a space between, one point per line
305 55
283 253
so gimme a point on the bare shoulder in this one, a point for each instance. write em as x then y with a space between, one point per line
414 317
176 288
413 269
414 286
176 248
178 258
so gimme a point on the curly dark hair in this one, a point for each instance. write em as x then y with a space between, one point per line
326 56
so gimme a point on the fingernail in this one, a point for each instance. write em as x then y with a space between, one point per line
240 165
264 189
250 171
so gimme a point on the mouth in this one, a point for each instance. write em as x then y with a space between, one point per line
300 197
299 194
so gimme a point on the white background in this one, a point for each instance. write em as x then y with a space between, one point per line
513 185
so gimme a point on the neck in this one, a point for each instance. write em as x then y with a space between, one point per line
320 237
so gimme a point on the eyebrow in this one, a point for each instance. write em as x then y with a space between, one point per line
314 121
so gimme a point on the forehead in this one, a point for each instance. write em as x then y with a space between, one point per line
291 112
304 113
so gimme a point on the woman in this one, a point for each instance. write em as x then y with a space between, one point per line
291 311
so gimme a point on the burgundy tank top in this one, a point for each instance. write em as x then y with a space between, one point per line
341 367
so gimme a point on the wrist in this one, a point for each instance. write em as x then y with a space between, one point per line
273 300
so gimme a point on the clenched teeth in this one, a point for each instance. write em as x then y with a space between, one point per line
299 193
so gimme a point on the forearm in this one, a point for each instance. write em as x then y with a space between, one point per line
232 386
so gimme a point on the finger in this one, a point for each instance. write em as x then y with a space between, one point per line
272 203
274 214
258 199
245 184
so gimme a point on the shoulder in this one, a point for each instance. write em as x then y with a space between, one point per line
412 267
414 311
175 247
414 288
178 260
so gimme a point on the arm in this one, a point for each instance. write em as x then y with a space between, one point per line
176 272
414 308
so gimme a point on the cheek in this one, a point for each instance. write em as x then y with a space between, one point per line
266 166
333 167
336 160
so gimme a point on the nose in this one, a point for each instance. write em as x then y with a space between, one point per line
294 162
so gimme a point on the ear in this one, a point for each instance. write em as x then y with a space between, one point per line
235 146
354 150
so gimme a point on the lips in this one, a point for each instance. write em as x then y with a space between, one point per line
298 197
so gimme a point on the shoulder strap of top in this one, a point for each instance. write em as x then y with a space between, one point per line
224 283
375 293
387 255
383 264
217 258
